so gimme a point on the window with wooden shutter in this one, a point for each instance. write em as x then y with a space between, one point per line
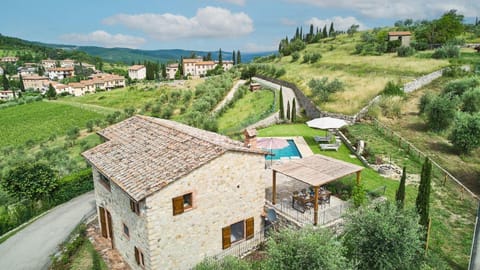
249 228
135 206
137 255
226 237
177 205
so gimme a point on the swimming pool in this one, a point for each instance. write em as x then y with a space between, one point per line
290 151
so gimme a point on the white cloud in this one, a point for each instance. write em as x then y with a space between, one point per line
208 22
235 2
253 47
416 9
339 23
105 39
288 22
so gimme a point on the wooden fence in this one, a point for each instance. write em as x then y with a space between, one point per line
446 178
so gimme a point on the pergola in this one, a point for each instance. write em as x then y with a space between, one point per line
316 171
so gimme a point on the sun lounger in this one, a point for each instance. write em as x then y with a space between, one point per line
333 146
319 139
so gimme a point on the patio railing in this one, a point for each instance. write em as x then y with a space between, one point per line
326 213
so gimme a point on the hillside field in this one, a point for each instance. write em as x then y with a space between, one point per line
364 76
39 120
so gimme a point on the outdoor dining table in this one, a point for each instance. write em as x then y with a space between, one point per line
300 202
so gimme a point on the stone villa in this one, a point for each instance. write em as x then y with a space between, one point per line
137 72
197 67
169 195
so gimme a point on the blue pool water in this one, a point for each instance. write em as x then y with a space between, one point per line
290 151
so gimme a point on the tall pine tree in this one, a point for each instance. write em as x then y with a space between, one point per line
220 57
233 58
400 195
282 112
423 198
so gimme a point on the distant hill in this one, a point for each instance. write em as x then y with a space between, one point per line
128 56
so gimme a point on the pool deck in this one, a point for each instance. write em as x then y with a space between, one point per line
301 144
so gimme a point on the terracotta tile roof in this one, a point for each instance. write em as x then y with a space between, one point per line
76 85
192 60
144 154
34 78
136 67
400 33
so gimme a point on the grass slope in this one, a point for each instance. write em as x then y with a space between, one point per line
247 109
364 76
37 121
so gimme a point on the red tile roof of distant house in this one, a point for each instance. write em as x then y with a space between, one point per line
400 33
136 67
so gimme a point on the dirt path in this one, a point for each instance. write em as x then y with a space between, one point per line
229 96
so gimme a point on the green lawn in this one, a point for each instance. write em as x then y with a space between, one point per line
452 219
245 111
39 120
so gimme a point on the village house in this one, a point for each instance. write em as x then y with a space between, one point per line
403 36
35 82
60 88
137 72
101 81
9 59
6 95
60 73
189 66
168 195
76 89
26 71
67 63
197 67
171 71
49 63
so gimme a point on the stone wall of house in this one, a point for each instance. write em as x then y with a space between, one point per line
117 203
225 191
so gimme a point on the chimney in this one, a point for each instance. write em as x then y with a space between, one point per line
250 138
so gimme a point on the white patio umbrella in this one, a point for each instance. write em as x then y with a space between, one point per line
326 123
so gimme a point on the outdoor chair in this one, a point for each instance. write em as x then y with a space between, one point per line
320 139
333 146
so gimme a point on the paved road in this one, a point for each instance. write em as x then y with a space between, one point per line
31 247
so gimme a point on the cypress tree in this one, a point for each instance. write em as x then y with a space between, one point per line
400 195
239 57
233 58
282 112
51 93
288 110
294 110
310 34
297 33
301 32
423 198
325 34
332 31
22 86
220 57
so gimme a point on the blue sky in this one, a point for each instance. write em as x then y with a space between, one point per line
244 25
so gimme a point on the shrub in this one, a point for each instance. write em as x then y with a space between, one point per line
321 88
359 195
383 237
447 51
393 89
295 56
424 101
307 248
454 71
74 185
471 101
229 262
465 135
440 112
405 51
458 87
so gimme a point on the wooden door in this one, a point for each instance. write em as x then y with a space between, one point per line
106 226
110 227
